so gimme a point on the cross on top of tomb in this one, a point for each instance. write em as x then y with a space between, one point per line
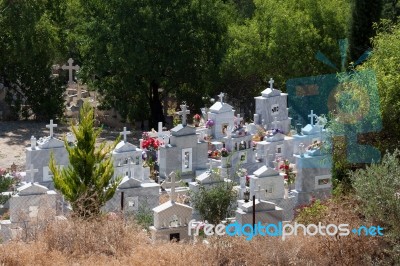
172 195
51 126
239 119
125 132
257 192
184 111
221 97
31 171
312 116
271 83
70 69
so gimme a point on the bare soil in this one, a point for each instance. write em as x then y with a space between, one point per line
15 138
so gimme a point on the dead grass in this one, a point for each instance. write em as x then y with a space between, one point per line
121 242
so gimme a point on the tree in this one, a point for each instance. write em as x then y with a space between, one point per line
87 183
384 61
132 49
214 203
365 14
29 44
281 41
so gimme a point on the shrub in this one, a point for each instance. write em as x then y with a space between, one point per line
378 188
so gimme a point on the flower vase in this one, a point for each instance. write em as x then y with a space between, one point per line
286 191
151 155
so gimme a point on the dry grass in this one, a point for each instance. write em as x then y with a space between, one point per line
120 242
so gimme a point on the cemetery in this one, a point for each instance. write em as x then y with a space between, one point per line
199 132
219 148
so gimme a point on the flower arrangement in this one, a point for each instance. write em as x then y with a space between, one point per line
197 118
210 123
151 144
288 170
247 180
214 154
224 152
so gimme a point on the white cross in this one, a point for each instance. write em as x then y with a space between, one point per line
312 116
32 172
271 83
125 132
240 119
183 113
172 195
275 123
258 192
70 68
301 147
221 97
161 134
51 126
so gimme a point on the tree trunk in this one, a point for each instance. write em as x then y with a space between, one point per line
155 106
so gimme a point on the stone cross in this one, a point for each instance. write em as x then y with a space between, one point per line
312 116
70 68
172 195
51 126
257 192
183 113
221 97
125 132
275 123
271 83
31 171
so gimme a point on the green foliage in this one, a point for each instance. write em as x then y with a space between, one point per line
29 44
88 182
311 214
385 61
133 48
281 40
144 216
378 188
7 181
364 14
214 203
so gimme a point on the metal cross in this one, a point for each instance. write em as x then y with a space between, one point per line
51 126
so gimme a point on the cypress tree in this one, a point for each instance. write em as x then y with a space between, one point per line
87 183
